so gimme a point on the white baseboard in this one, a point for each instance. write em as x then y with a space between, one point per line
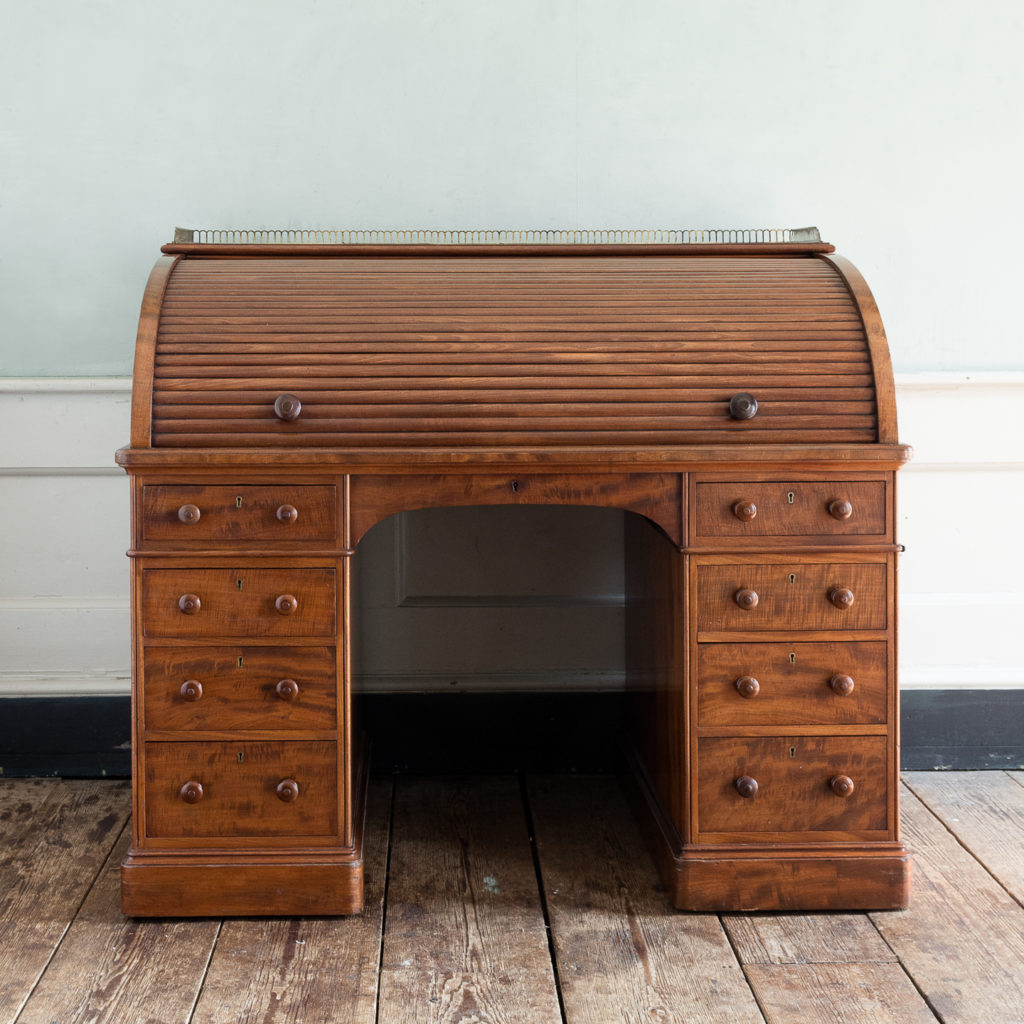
64 626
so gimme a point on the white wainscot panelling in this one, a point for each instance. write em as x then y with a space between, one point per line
960 507
64 579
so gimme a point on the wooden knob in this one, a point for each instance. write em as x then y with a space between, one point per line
287 790
287 689
744 510
842 785
747 686
287 407
746 786
189 604
840 509
286 604
841 597
191 792
287 514
743 406
746 599
191 689
841 685
189 514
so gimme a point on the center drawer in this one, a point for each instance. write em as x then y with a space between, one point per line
244 602
749 597
218 790
239 688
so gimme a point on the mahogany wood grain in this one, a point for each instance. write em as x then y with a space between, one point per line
239 790
240 513
794 684
789 509
790 596
239 602
240 688
794 796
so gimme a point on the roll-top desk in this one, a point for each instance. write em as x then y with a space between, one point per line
737 399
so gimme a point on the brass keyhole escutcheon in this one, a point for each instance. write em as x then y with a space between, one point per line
240 661
790 497
241 757
238 583
792 657
792 577
792 751
238 501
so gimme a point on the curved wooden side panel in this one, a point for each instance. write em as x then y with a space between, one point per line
885 389
145 350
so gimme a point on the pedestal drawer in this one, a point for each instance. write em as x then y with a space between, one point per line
780 508
220 790
792 684
239 688
284 513
792 785
797 596
238 602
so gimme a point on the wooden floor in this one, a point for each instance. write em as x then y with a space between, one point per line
497 899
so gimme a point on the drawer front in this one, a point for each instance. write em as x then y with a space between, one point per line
238 602
803 784
239 688
804 596
281 513
220 790
792 684
773 508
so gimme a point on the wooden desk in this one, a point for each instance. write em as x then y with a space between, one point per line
737 400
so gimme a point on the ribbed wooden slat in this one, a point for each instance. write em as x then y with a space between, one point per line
569 350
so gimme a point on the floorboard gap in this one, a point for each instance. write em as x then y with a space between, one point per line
206 971
742 967
384 897
543 896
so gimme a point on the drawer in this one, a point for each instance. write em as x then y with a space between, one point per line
779 508
239 688
283 513
792 684
789 785
239 602
218 790
747 597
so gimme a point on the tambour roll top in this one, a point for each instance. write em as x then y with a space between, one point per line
525 347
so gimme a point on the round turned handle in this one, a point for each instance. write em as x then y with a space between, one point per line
191 792
743 406
191 689
746 786
287 689
841 597
746 599
287 514
189 514
841 685
840 509
747 686
842 785
287 790
744 510
287 407
189 604
286 604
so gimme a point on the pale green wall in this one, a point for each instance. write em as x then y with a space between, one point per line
894 126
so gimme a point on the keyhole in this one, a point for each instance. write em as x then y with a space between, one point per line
238 501
790 497
240 661
792 577
241 757
792 657
239 583
515 486
792 752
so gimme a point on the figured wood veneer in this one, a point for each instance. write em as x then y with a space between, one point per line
736 400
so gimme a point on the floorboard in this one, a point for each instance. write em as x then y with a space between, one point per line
985 811
317 970
623 954
962 941
54 838
464 937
